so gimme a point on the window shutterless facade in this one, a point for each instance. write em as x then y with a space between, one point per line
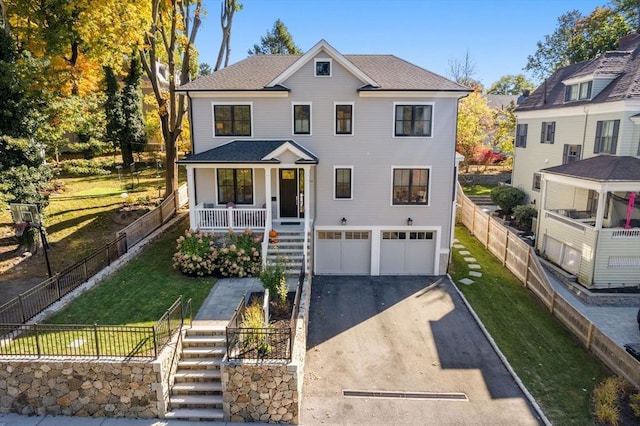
343 183
301 119
232 120
571 153
521 135
548 132
606 136
578 92
413 120
235 186
537 178
410 187
344 119
322 67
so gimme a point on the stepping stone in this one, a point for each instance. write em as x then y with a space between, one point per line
458 246
466 281
470 259
475 274
455 240
465 253
474 266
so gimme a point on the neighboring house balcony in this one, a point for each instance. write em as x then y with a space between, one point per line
589 220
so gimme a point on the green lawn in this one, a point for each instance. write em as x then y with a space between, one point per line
556 368
478 189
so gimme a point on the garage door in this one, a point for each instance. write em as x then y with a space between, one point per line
343 252
403 253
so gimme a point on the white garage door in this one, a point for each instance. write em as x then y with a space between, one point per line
407 253
343 252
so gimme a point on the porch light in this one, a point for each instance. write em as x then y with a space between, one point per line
344 221
409 221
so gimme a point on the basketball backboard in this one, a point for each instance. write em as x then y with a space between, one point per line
25 213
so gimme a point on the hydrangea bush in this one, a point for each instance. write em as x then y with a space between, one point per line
234 255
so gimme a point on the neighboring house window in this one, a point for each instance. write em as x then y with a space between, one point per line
323 68
344 119
536 181
606 136
232 120
413 120
343 183
410 186
548 132
235 186
592 202
302 119
521 135
580 91
571 153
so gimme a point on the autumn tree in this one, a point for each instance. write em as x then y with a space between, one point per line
278 41
475 125
511 84
630 9
171 39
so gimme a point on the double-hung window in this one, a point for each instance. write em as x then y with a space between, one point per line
232 120
344 119
413 120
579 91
571 153
521 135
410 186
301 119
548 132
606 136
235 186
343 183
537 182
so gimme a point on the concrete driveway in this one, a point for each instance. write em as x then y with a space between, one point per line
406 351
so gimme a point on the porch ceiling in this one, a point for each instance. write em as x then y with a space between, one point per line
603 168
251 151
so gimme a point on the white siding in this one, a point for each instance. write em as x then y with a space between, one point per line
607 276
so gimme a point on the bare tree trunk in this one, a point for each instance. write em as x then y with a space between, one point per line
3 16
228 8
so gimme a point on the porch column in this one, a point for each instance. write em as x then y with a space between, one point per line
602 195
267 193
191 193
307 213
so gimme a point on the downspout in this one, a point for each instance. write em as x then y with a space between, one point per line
193 147
584 131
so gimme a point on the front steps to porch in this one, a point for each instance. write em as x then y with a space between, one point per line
289 250
197 390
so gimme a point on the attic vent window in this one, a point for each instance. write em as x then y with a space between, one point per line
578 92
323 67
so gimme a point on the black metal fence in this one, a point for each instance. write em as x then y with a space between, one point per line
93 341
274 343
35 300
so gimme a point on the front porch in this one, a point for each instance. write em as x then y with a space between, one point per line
589 226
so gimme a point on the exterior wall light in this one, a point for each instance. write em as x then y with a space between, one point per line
344 221
409 221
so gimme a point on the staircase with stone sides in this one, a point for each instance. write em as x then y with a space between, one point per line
197 390
290 251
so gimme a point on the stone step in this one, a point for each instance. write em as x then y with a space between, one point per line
203 352
182 376
197 388
204 330
195 414
196 401
197 340
200 363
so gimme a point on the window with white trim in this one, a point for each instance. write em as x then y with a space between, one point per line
571 153
548 132
578 91
344 119
235 186
301 119
606 136
343 186
521 135
410 186
413 120
322 67
537 179
232 120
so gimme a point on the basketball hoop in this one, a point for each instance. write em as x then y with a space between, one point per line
20 227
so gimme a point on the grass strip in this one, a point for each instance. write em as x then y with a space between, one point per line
555 367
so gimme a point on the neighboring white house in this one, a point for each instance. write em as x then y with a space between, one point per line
577 156
354 153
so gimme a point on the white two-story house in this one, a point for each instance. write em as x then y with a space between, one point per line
353 153
577 156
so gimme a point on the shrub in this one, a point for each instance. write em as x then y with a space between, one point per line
254 336
523 217
196 254
240 255
83 168
606 397
274 280
634 403
507 197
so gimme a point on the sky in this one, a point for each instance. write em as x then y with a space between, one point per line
497 34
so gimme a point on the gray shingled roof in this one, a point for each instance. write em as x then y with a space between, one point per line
244 151
625 63
601 168
388 71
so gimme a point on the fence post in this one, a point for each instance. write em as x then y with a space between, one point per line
155 342
35 329
22 313
526 270
553 302
95 335
108 256
84 269
230 217
589 335
506 249
58 291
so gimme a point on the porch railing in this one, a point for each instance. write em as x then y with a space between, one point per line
225 218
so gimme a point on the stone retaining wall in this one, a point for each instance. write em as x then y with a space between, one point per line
468 179
85 387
